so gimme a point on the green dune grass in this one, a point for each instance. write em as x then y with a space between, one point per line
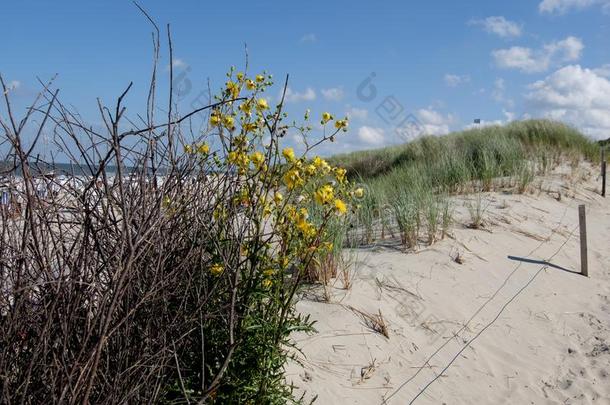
408 184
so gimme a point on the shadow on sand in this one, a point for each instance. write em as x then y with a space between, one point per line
544 262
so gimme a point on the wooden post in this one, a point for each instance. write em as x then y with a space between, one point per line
582 221
603 171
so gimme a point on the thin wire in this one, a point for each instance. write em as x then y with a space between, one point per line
493 320
401 386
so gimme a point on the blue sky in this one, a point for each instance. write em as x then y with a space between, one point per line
441 63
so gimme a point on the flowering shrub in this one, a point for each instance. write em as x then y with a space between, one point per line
173 277
270 216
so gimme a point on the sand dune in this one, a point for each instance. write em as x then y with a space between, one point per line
492 329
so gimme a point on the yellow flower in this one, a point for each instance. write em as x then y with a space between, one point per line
250 85
215 118
324 194
268 272
307 229
267 283
291 212
278 197
341 124
340 207
203 148
238 158
321 164
340 174
228 122
310 169
359 192
260 78
300 218
258 158
233 89
326 117
267 211
188 148
292 179
217 269
288 154
240 76
249 127
327 246
303 226
246 108
243 160
261 104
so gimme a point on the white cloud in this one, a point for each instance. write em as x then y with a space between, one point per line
433 122
563 6
485 124
520 58
371 136
499 26
567 50
294 97
603 71
576 95
533 61
455 80
178 63
332 94
499 87
308 38
498 93
357 114
508 117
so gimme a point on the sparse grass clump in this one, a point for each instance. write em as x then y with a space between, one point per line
446 217
375 322
476 209
406 214
365 221
432 210
525 176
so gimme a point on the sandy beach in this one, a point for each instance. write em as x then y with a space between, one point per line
492 315
310 203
